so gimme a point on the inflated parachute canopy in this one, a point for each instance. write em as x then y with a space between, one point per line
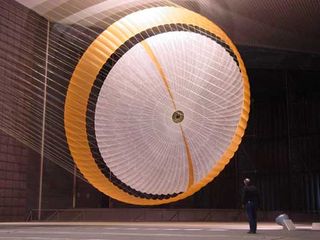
156 106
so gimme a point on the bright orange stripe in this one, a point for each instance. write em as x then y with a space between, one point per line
159 67
164 78
191 176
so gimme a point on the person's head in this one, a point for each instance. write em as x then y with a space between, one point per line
246 181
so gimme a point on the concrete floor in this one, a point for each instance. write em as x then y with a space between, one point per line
148 231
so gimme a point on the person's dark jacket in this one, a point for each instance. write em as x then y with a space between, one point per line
250 193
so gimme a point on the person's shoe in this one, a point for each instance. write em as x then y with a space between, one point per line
250 232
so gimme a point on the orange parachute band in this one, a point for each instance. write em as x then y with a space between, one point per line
173 175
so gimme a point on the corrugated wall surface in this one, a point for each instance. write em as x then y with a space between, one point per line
19 170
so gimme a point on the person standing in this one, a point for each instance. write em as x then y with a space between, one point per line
250 201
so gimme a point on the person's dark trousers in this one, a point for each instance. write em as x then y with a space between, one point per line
252 216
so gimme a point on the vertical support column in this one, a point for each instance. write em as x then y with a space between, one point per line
288 138
43 122
74 188
317 198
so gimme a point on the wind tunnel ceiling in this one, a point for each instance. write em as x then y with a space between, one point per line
280 24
